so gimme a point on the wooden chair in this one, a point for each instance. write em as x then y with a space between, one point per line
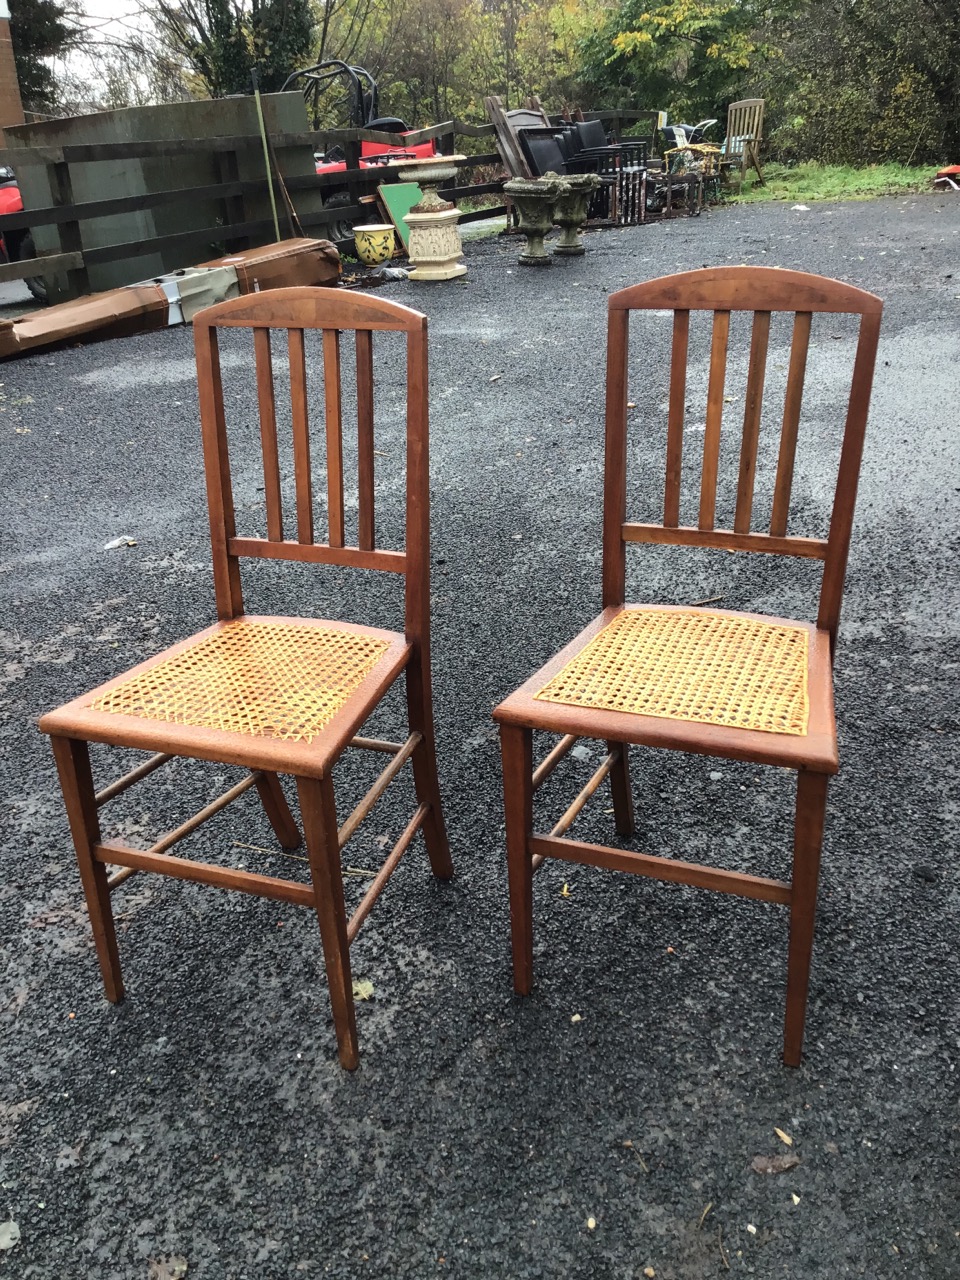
278 694
713 682
741 147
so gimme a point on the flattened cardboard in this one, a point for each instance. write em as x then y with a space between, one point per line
114 314
284 263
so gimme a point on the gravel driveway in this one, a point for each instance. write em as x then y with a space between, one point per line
603 1128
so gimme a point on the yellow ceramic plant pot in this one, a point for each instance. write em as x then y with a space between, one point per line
374 243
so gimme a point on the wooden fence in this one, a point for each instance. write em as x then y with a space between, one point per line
235 228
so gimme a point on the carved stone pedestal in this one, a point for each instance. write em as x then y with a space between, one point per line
435 248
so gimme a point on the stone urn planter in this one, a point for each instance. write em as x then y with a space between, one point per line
570 211
534 199
435 246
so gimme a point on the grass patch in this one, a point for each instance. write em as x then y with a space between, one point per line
804 183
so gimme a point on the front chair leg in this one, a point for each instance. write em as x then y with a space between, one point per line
277 810
319 813
76 780
516 746
807 842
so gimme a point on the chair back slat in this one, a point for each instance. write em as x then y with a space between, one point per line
366 534
301 435
678 383
331 392
791 423
723 291
268 434
711 434
750 443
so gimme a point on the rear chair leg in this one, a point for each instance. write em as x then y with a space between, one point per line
620 789
277 810
425 779
516 745
76 780
319 813
807 841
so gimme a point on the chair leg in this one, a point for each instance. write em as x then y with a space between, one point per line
807 841
319 814
425 779
516 746
278 811
620 789
76 780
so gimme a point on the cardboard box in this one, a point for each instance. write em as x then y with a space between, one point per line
284 263
191 289
115 314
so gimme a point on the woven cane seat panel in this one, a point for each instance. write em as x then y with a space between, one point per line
690 665
262 679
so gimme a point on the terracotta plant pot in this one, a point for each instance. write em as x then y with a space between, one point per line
375 243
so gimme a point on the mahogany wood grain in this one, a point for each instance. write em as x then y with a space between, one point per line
76 781
319 814
552 759
620 790
365 453
791 423
678 391
178 868
615 461
122 784
277 810
332 391
516 746
808 839
320 553
268 434
711 434
392 861
644 864
303 477
216 461
363 809
727 540
753 405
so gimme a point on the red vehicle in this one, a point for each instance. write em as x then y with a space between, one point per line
15 245
340 96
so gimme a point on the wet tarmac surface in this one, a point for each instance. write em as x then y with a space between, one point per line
605 1126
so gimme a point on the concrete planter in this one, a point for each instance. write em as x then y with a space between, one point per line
570 211
534 199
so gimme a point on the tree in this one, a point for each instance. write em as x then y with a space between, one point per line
38 30
690 57
870 81
223 40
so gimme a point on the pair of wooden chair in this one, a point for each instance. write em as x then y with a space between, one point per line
290 695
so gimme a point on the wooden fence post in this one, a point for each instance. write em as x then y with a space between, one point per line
71 240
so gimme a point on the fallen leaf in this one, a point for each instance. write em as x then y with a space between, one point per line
591 1224
9 1235
794 1197
362 989
751 1228
172 1268
565 891
631 404
774 1164
576 1018
784 1137
649 1271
